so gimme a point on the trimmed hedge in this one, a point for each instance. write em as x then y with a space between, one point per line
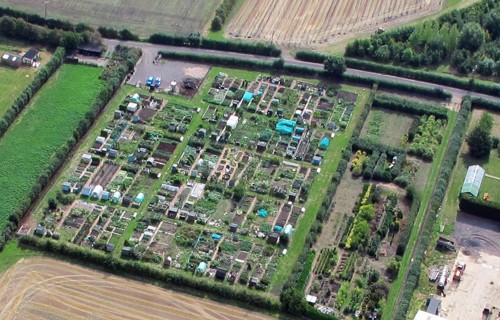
437 78
445 171
194 41
29 92
371 146
400 86
397 103
432 77
134 268
479 207
485 104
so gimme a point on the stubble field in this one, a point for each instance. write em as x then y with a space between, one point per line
42 288
143 18
315 23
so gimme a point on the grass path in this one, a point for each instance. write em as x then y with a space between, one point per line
397 286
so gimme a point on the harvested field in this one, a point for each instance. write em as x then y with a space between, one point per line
177 17
307 23
42 288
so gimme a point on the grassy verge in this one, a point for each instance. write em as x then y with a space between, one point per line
27 149
396 288
316 195
12 253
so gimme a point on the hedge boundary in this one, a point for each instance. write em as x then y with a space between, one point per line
479 207
432 77
134 268
409 106
30 91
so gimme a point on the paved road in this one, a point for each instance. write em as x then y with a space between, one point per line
151 50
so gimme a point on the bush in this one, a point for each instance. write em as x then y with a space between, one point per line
401 104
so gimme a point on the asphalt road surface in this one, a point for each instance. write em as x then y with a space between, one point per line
151 50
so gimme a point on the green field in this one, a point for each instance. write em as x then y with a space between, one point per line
29 145
142 18
12 81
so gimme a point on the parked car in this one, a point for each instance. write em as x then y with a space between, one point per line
157 82
149 82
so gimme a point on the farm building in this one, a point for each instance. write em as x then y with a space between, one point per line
31 56
285 126
12 60
90 49
473 180
325 142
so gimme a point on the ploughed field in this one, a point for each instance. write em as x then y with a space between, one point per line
28 147
42 288
312 23
140 17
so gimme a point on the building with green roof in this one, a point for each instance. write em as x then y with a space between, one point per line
473 180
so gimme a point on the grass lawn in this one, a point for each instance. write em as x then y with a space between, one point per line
316 194
492 187
396 289
29 145
12 253
13 81
386 126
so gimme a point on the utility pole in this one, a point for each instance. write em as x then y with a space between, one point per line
45 3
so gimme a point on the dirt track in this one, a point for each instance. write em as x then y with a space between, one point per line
313 23
42 288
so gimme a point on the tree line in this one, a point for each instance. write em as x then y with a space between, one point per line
467 38
221 14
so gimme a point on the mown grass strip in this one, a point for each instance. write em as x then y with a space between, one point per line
396 288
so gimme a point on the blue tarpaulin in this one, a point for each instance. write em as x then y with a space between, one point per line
263 213
216 236
285 126
325 142
248 96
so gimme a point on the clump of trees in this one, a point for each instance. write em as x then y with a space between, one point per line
334 66
468 38
479 140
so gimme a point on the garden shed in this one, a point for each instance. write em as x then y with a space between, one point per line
202 267
86 158
325 142
31 56
473 180
232 122
316 160
105 196
12 60
87 191
139 198
116 197
66 187
132 107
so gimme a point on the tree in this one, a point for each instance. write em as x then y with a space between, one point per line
125 34
216 24
479 140
392 268
239 191
472 36
335 66
492 22
71 40
486 67
52 204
